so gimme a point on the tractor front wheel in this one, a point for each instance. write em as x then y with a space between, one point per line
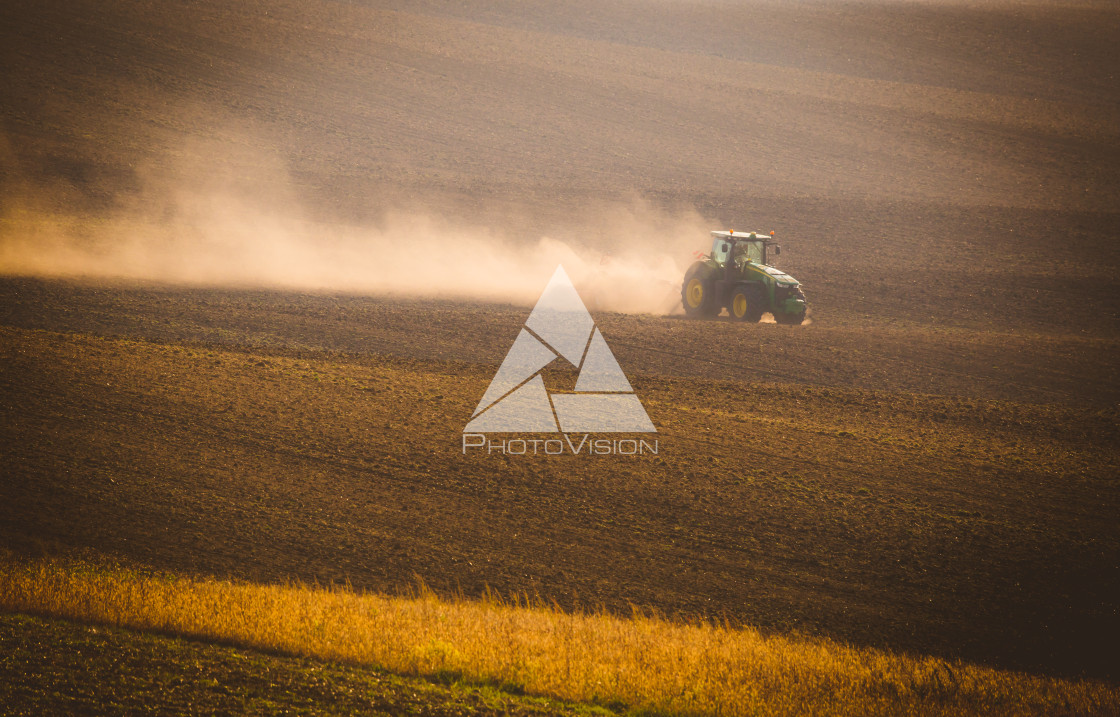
698 292
746 303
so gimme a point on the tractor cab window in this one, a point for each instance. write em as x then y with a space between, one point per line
751 250
721 251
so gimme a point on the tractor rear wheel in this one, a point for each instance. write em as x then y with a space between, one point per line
746 303
698 292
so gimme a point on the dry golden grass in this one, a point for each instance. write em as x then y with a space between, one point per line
652 665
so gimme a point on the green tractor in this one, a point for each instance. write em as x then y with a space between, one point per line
736 276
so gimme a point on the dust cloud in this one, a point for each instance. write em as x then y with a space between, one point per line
221 225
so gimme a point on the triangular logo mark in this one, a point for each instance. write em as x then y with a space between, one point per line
526 357
561 319
600 371
528 407
517 401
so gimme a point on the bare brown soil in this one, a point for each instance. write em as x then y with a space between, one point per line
930 465
196 438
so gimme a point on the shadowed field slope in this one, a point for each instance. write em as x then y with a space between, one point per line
1000 105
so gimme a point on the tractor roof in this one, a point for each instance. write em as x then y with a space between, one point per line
743 236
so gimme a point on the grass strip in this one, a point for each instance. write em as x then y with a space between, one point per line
644 664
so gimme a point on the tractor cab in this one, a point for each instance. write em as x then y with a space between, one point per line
743 247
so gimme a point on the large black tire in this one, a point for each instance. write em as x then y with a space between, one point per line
790 319
746 303
698 291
